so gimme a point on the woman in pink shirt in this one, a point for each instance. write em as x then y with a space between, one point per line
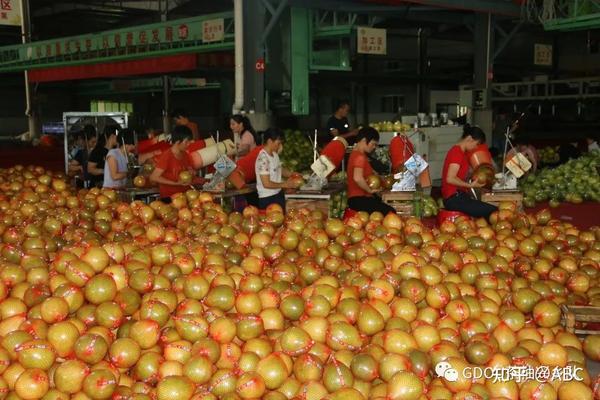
243 134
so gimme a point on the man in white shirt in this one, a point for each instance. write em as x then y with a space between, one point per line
269 171
592 144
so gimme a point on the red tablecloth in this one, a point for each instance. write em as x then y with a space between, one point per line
583 216
51 158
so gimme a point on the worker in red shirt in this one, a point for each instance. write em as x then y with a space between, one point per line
454 177
360 196
172 162
181 118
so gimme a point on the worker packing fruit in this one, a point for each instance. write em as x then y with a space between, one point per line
243 133
173 171
116 169
361 195
454 177
269 171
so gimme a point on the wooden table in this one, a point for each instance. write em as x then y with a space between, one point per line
402 202
315 200
147 195
495 198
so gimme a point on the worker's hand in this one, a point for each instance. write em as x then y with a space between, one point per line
374 191
334 132
354 133
290 184
476 184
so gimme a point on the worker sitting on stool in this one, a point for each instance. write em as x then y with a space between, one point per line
360 196
171 163
454 175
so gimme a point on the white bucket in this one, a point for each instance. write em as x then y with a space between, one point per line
209 155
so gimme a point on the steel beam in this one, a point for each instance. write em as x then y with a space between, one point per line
273 20
120 7
497 7
425 14
268 6
570 15
500 30
150 85
591 21
506 40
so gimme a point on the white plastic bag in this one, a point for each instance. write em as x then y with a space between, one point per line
416 164
406 182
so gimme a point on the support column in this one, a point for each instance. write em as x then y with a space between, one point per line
254 82
255 54
299 42
422 36
30 109
166 120
483 51
164 9
365 90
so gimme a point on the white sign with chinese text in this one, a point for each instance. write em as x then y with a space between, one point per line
10 12
213 30
371 40
542 54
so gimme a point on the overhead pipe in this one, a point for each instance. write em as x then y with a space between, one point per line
238 21
29 107
419 68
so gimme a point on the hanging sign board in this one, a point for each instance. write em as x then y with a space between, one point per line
371 40
542 54
213 30
188 35
10 12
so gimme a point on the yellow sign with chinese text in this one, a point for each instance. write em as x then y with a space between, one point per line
10 12
371 41
542 54
213 30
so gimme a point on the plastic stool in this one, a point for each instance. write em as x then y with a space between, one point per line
447 215
349 213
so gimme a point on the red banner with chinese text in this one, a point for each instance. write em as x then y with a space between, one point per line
184 62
